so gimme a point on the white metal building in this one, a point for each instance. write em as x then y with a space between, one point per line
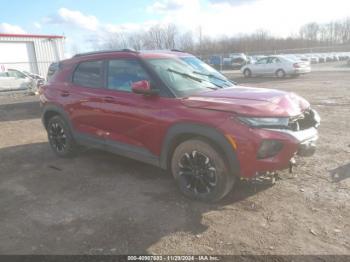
32 53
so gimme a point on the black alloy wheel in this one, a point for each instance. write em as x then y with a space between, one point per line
200 171
60 137
57 137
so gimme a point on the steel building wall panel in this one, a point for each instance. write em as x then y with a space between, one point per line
46 51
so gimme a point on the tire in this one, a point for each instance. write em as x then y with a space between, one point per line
200 171
247 73
280 73
60 137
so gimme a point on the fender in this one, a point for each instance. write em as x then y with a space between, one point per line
50 107
208 132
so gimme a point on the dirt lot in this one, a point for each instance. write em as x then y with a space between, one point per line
99 203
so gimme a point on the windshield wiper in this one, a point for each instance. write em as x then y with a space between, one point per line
209 75
200 80
213 76
186 75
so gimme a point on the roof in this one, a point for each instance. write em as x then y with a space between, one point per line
152 53
142 53
31 36
105 51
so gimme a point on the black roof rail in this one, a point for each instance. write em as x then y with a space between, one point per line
106 51
176 50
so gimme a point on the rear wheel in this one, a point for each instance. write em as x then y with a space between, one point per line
247 73
280 73
60 137
200 171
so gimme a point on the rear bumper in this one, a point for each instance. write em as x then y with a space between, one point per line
302 70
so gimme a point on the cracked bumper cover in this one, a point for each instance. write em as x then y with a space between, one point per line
248 141
306 139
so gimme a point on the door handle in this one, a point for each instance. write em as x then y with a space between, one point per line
109 99
64 93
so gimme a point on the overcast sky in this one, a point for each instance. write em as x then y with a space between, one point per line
82 19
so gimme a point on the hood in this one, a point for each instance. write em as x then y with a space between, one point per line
249 101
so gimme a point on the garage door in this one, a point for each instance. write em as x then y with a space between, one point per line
18 55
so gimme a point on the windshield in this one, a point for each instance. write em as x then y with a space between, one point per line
207 71
179 76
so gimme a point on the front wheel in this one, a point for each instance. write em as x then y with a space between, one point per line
200 171
247 73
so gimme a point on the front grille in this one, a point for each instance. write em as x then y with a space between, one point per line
304 121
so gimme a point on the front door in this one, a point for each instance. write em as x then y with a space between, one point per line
130 119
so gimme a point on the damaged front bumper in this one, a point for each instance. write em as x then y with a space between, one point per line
295 143
263 151
306 140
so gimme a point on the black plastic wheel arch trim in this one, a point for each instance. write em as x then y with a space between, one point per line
207 132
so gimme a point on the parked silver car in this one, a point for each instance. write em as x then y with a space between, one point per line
12 80
279 66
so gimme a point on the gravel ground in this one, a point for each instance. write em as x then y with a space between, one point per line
99 203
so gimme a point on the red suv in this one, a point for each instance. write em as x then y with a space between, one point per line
172 110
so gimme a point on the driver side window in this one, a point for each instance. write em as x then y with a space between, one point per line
123 72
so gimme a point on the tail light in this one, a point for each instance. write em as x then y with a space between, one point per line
296 65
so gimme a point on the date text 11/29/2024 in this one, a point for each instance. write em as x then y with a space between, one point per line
174 258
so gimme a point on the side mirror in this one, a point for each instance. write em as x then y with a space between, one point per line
143 87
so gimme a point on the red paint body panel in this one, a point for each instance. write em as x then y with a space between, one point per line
250 102
248 141
143 121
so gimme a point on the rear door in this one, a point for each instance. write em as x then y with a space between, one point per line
260 67
84 97
273 64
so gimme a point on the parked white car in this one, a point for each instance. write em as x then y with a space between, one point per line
13 79
279 66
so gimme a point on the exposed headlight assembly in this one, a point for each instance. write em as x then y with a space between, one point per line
269 122
317 118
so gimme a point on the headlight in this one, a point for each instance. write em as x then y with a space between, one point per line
265 121
317 118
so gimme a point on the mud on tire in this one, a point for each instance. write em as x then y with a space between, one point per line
200 171
60 137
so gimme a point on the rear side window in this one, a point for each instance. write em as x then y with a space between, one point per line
262 61
16 74
274 60
89 74
53 68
